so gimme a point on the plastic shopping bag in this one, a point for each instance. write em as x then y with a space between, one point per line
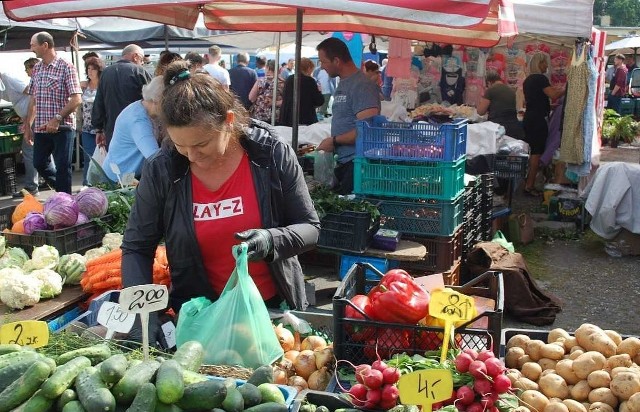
235 329
501 240
323 165
95 173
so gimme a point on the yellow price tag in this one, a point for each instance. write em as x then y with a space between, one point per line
34 333
425 387
450 305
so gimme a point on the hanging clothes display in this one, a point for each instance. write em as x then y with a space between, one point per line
400 54
452 86
572 143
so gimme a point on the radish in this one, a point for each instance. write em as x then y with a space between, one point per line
482 386
484 355
374 379
373 399
462 362
465 395
389 393
358 394
501 384
379 365
362 371
486 401
475 407
470 352
494 367
478 369
386 405
391 375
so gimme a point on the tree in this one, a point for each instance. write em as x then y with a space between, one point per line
625 13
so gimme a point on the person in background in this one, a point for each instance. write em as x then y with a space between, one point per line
387 81
222 64
120 85
499 101
537 92
356 98
87 55
55 95
326 88
310 97
372 71
215 67
196 62
261 62
630 62
242 79
93 68
618 84
261 95
165 59
284 72
222 181
134 139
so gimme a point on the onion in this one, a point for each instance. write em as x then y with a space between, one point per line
319 380
313 342
285 337
291 355
305 364
279 376
323 356
298 382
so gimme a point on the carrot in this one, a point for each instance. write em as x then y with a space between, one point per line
109 257
161 256
110 283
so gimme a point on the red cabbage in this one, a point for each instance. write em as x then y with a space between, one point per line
61 210
34 221
82 218
92 202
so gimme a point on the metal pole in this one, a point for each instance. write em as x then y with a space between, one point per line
297 80
276 75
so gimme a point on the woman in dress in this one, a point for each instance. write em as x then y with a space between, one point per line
261 95
93 67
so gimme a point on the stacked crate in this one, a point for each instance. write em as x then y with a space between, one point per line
10 141
416 173
478 205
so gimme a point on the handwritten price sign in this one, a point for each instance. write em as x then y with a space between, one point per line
32 333
144 299
114 319
425 387
452 307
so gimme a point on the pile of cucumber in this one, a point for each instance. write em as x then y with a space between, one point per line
92 379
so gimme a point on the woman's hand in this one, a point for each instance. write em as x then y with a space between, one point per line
259 243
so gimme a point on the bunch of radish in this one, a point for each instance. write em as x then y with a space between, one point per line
489 383
376 387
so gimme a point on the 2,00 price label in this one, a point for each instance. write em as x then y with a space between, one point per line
144 298
32 333
114 319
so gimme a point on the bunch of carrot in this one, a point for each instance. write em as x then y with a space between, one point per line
105 272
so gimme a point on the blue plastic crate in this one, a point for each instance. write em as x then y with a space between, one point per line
379 138
382 264
62 321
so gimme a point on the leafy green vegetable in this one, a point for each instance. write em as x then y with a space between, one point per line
120 202
431 360
326 201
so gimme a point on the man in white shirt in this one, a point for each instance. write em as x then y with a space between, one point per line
214 69
327 89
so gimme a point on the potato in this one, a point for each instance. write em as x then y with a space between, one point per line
580 391
519 341
630 346
524 359
615 336
557 333
575 353
534 400
570 342
600 407
624 407
552 351
556 407
625 384
599 379
633 403
564 368
588 362
533 349
574 406
603 395
547 363
512 356
592 338
548 372
525 384
616 361
522 409
531 370
615 371
553 386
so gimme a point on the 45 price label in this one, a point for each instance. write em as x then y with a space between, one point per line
425 387
34 333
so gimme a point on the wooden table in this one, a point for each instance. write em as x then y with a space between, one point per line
407 251
46 308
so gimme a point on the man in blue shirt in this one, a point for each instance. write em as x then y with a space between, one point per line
242 79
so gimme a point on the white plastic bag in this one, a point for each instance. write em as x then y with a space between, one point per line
95 173
323 166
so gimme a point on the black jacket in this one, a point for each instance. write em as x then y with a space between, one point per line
163 209
310 98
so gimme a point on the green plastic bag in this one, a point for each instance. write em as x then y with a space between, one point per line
235 329
501 240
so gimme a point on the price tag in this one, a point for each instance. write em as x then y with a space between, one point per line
144 299
169 331
425 387
114 319
34 333
452 307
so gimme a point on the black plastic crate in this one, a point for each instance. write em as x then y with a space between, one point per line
74 239
511 167
411 338
442 252
8 180
332 401
347 231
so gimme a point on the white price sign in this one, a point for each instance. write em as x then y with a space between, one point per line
114 319
144 298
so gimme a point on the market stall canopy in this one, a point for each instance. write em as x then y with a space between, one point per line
626 43
469 22
571 18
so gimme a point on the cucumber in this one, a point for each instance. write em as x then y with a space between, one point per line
264 374
190 355
203 396
14 371
12 357
93 393
233 402
251 394
73 406
9 348
163 407
145 400
23 388
95 353
169 382
268 407
63 377
38 403
190 377
67 396
127 387
114 368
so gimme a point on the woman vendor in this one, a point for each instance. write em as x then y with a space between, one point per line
221 179
499 101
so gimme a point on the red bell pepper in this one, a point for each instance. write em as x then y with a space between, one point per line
358 332
399 299
387 343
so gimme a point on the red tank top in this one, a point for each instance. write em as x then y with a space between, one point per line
217 216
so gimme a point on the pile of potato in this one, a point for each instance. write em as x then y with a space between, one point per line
593 371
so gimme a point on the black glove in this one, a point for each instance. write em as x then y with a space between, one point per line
259 243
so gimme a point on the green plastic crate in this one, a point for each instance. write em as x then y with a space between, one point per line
10 139
423 180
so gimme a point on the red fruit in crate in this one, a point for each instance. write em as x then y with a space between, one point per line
359 333
484 355
494 366
388 342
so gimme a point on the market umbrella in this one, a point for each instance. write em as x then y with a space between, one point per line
626 43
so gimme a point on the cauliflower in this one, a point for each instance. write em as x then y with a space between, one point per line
13 256
3 244
45 257
112 240
29 266
51 282
96 252
10 271
19 290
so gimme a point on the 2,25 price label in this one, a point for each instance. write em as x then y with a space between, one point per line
32 333
144 298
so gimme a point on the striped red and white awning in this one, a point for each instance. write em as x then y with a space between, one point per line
478 23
